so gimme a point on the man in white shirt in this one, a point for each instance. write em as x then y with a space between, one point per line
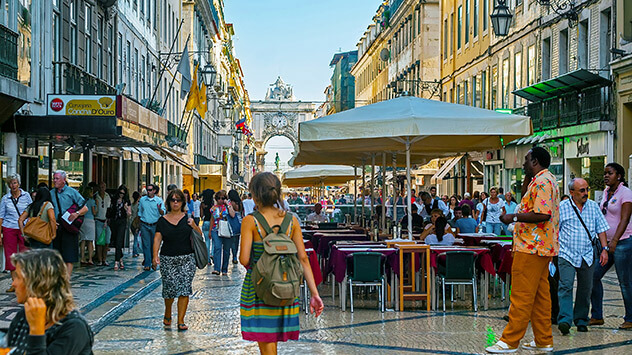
317 216
249 205
428 204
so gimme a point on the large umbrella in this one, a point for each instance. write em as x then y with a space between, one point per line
418 127
312 175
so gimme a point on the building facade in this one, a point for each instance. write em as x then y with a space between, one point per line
342 82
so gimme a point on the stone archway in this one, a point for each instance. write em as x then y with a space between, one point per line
260 146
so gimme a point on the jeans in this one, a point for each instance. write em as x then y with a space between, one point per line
217 250
137 247
227 244
206 228
495 228
578 314
147 234
235 246
622 260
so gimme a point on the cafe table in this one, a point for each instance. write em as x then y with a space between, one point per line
483 261
338 262
476 238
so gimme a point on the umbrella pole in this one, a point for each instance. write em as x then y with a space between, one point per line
355 194
362 194
384 195
409 202
372 192
394 191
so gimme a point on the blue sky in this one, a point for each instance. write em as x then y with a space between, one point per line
295 39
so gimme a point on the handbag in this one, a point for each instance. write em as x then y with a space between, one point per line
596 244
484 213
102 238
200 253
75 226
223 229
38 229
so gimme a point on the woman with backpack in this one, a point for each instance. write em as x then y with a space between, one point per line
235 216
264 323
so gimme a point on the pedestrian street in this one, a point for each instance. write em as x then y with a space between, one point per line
125 309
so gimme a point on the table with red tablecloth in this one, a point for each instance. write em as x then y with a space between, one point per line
483 261
313 263
338 258
470 239
321 241
502 256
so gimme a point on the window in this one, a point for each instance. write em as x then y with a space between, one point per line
494 87
475 22
110 69
99 70
120 59
460 27
142 8
73 32
505 83
56 34
563 52
136 74
128 67
485 14
605 32
532 60
451 33
627 20
582 45
458 94
445 38
483 90
517 76
476 93
466 98
467 21
143 93
546 58
88 32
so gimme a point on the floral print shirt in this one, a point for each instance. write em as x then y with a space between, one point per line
542 197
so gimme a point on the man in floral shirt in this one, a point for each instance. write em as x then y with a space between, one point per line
535 243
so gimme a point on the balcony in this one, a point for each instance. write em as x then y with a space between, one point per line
71 79
176 136
8 53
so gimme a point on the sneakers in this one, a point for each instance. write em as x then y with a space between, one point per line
594 321
532 346
500 348
564 328
626 326
215 272
582 328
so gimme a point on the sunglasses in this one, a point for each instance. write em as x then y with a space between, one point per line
121 192
221 198
176 200
150 190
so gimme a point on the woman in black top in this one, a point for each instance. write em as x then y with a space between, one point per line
49 323
177 264
205 212
120 210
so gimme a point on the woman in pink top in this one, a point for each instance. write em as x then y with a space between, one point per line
616 205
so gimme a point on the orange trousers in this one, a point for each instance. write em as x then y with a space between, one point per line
530 300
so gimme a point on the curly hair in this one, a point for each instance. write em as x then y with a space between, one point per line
45 277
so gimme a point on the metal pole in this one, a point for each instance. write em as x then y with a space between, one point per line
362 193
372 187
409 202
355 194
164 67
173 79
384 189
394 190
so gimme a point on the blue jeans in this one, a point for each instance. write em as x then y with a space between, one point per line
137 247
622 260
495 228
217 250
206 229
578 314
147 234
235 247
227 244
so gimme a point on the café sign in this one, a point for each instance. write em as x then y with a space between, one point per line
81 105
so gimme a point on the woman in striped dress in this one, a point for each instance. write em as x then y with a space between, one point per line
265 324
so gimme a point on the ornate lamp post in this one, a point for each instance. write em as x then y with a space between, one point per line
209 74
501 18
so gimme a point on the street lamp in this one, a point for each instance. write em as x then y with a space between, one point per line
501 19
209 74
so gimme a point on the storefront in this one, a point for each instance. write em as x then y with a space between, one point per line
585 156
622 70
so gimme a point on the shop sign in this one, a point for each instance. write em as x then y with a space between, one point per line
590 145
81 105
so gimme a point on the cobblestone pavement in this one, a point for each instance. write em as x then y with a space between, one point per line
125 309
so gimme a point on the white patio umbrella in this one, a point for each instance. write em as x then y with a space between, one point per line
311 175
419 127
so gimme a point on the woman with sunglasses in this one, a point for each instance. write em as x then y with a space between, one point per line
121 209
219 212
177 264
616 205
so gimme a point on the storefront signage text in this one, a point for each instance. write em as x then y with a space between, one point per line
583 147
81 105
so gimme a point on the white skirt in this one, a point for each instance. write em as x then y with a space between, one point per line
88 230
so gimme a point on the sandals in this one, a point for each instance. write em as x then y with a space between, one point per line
182 327
146 268
116 266
166 321
122 267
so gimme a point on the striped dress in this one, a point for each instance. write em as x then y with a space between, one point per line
260 322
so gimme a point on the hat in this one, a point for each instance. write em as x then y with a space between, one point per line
466 195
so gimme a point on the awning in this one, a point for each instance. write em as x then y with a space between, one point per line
151 153
437 178
180 161
570 82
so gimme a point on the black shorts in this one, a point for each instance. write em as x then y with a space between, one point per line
67 244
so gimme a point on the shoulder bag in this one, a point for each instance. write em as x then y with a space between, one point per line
200 253
484 213
223 229
39 230
76 224
596 244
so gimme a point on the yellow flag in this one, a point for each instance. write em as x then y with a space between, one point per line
202 104
194 94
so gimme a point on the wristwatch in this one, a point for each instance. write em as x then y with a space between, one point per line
515 219
606 248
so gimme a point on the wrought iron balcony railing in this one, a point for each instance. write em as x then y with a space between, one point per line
8 53
71 79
